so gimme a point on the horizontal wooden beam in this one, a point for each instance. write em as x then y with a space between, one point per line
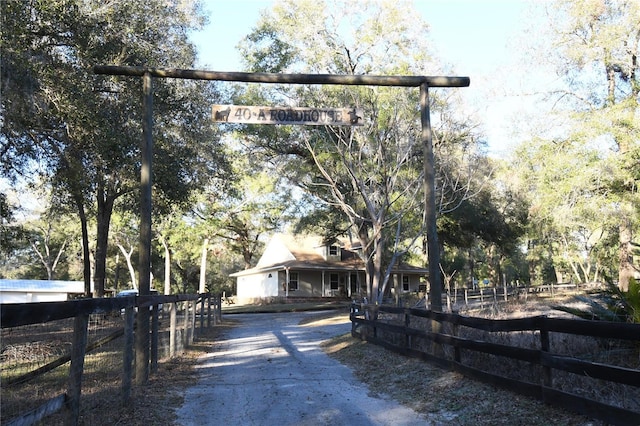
17 314
259 77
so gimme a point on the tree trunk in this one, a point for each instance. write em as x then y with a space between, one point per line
377 267
103 218
132 270
86 259
203 267
625 271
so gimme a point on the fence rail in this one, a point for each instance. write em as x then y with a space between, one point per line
495 294
15 316
399 329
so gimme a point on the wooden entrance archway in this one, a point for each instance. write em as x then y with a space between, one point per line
147 74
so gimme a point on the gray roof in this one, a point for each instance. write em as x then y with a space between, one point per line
42 286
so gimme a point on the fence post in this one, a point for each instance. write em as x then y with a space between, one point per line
208 310
374 309
217 311
185 337
407 322
192 304
217 300
545 345
448 296
154 338
127 355
80 332
173 308
456 348
202 297
437 349
352 314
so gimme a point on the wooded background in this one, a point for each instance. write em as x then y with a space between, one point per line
562 206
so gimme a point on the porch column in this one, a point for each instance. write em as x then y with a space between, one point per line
286 280
323 293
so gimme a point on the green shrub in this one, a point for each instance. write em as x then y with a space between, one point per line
612 304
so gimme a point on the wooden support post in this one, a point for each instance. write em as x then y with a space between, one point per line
185 326
154 338
80 332
208 310
217 300
407 323
193 321
202 299
218 309
456 349
374 317
144 257
173 308
127 355
352 315
429 217
545 345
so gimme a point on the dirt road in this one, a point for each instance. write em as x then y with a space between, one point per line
270 370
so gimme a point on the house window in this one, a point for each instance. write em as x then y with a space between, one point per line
405 283
334 281
293 281
333 250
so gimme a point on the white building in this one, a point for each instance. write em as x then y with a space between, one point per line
27 291
305 266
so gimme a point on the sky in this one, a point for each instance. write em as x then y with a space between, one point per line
477 38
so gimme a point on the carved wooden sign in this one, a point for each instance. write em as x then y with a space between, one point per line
286 115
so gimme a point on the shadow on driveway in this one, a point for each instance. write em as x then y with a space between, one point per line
270 370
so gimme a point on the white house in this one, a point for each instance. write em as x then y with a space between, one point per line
304 266
26 291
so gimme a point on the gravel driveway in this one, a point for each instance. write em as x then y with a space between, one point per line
270 370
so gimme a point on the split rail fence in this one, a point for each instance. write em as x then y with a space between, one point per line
589 367
482 297
96 338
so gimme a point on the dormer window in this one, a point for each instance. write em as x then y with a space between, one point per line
333 250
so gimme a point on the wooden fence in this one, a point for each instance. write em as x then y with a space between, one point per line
16 315
483 296
448 340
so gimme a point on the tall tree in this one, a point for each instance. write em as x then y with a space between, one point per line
594 45
254 202
488 227
570 219
370 174
8 232
85 129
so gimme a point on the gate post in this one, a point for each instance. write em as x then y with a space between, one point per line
127 356
80 332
